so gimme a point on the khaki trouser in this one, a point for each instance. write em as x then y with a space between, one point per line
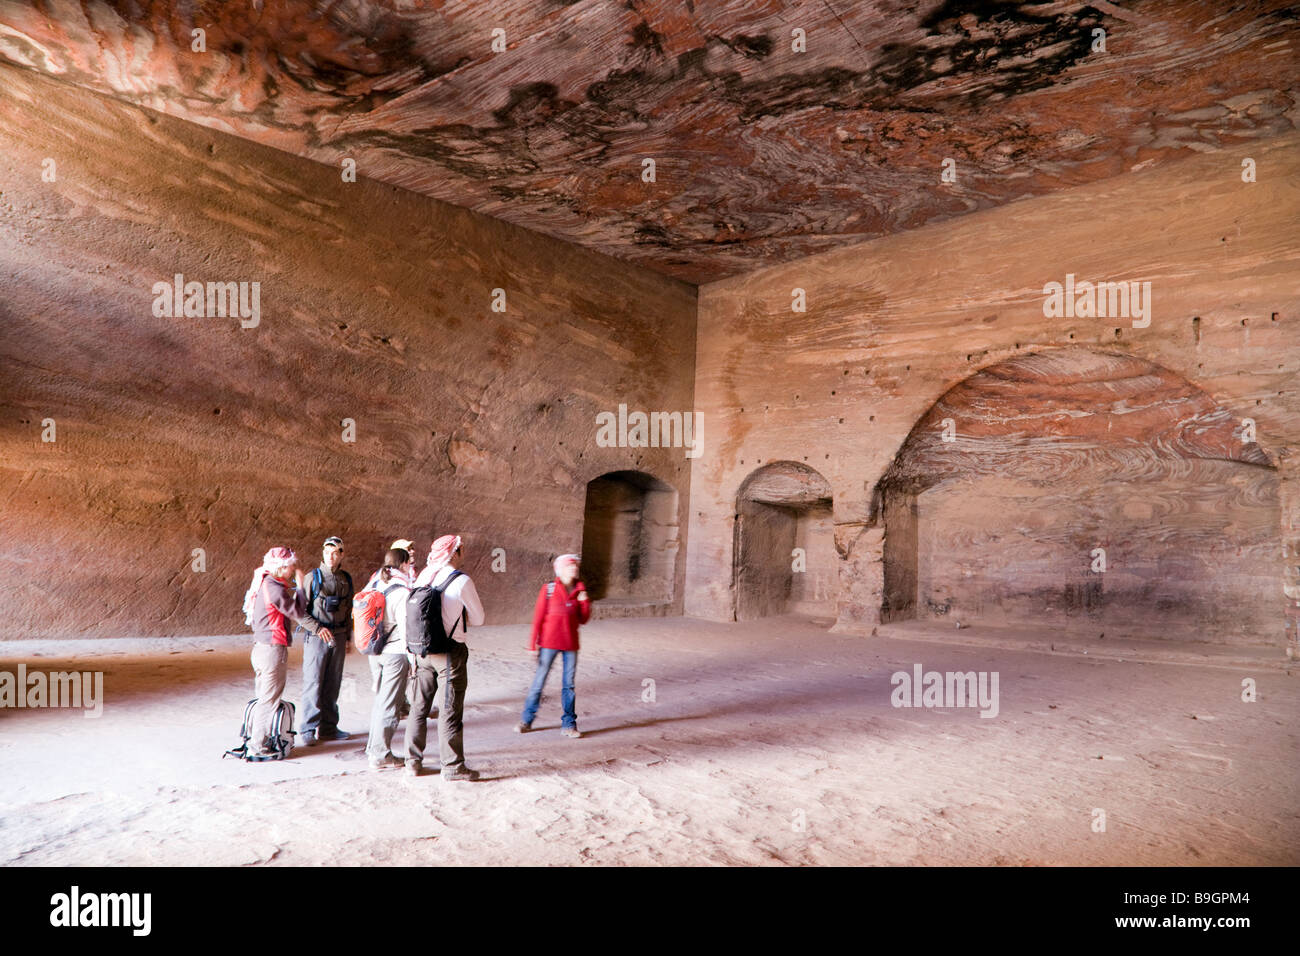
408 690
391 674
270 668
453 666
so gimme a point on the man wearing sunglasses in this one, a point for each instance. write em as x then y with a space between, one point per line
329 594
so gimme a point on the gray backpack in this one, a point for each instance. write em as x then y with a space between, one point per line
281 738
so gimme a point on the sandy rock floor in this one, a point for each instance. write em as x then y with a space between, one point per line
755 729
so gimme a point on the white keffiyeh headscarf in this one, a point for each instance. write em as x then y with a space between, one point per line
274 562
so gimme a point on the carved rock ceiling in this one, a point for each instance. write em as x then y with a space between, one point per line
762 153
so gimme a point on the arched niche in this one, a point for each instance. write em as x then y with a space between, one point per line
784 553
1084 489
629 539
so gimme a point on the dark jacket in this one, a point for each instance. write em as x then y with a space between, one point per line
333 585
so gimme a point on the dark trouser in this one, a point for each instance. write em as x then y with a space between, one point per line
322 676
453 666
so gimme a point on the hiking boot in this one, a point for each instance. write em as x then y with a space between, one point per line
522 728
573 732
413 768
309 739
459 773
381 763
334 734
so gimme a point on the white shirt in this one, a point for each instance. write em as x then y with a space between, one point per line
460 595
394 611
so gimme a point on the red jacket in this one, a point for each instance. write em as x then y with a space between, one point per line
558 616
274 607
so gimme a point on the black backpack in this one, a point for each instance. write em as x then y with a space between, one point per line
424 631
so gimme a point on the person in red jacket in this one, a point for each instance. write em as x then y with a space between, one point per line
562 607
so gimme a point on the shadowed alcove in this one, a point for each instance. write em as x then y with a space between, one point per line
785 561
629 540
1078 487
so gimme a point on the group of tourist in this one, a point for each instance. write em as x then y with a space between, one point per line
282 602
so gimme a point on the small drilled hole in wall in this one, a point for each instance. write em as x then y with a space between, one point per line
1196 328
1117 333
216 411
841 421
1243 321
1274 316
872 418
832 391
1071 335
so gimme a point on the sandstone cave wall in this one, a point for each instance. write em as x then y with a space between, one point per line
892 325
1025 552
177 434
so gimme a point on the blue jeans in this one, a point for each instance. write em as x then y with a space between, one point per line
545 658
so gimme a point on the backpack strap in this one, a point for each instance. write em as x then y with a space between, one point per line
455 573
317 580
464 614
387 591
546 605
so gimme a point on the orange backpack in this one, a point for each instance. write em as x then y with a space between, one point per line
368 634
